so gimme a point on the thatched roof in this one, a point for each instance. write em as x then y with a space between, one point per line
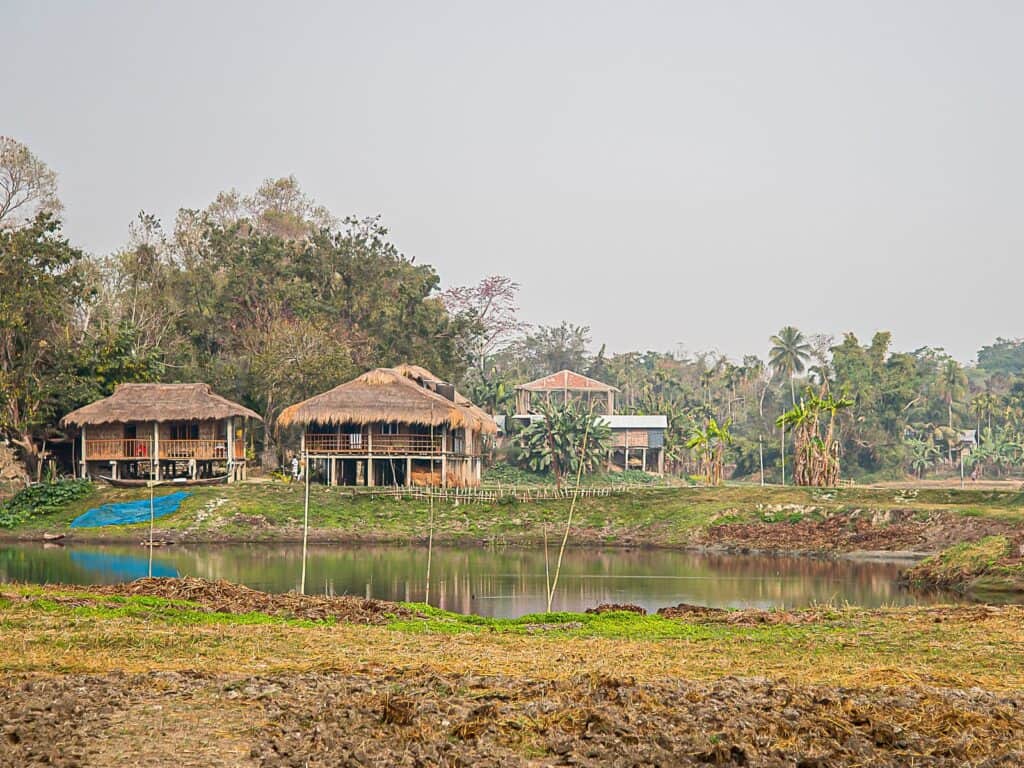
158 402
567 380
404 394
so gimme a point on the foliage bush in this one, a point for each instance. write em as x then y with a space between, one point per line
566 437
509 474
39 500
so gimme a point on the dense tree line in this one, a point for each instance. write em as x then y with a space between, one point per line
873 411
271 298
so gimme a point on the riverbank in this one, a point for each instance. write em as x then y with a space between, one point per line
138 675
731 518
991 567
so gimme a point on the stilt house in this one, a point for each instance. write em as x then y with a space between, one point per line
162 431
638 442
393 426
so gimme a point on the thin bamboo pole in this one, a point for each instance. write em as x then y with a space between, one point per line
430 549
152 518
572 507
305 526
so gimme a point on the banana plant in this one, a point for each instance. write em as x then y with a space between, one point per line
562 438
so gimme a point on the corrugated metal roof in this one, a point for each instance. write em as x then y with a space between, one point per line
625 421
618 421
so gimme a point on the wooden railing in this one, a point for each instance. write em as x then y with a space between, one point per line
118 448
356 444
132 448
193 449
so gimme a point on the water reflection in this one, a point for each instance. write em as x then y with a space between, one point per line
490 582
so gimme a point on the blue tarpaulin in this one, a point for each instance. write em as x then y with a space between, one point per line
119 567
126 512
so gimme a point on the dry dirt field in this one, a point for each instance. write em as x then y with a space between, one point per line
192 673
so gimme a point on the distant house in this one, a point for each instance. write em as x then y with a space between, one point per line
638 442
393 426
162 431
562 387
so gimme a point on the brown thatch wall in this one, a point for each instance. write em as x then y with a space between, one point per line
389 395
158 402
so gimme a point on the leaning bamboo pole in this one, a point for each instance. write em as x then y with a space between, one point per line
572 506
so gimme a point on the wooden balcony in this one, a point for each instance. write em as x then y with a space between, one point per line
120 448
357 444
634 438
125 449
204 450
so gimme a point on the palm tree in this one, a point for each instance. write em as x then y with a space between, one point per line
951 385
789 355
983 405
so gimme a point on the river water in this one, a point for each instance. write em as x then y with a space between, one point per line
489 582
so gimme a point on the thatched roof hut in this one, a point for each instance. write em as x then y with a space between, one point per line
406 394
159 403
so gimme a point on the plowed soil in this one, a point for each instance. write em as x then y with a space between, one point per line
892 530
424 719
224 597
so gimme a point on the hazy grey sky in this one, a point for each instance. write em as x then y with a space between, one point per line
667 173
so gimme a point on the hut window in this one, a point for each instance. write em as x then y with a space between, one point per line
130 432
186 431
355 439
389 428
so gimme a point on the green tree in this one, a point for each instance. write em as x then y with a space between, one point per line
41 290
710 441
950 386
789 355
923 454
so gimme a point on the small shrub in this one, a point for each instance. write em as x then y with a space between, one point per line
507 474
39 500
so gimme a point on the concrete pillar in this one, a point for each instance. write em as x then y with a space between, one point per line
408 471
370 479
661 461
643 459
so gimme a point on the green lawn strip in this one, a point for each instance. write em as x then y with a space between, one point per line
143 607
255 511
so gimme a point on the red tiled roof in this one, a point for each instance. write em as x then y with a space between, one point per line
567 379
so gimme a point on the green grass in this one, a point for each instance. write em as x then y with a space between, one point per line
660 515
957 646
624 625
978 567
158 609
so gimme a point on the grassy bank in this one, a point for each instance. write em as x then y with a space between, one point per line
181 685
740 516
991 566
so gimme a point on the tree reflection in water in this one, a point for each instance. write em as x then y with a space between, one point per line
489 581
